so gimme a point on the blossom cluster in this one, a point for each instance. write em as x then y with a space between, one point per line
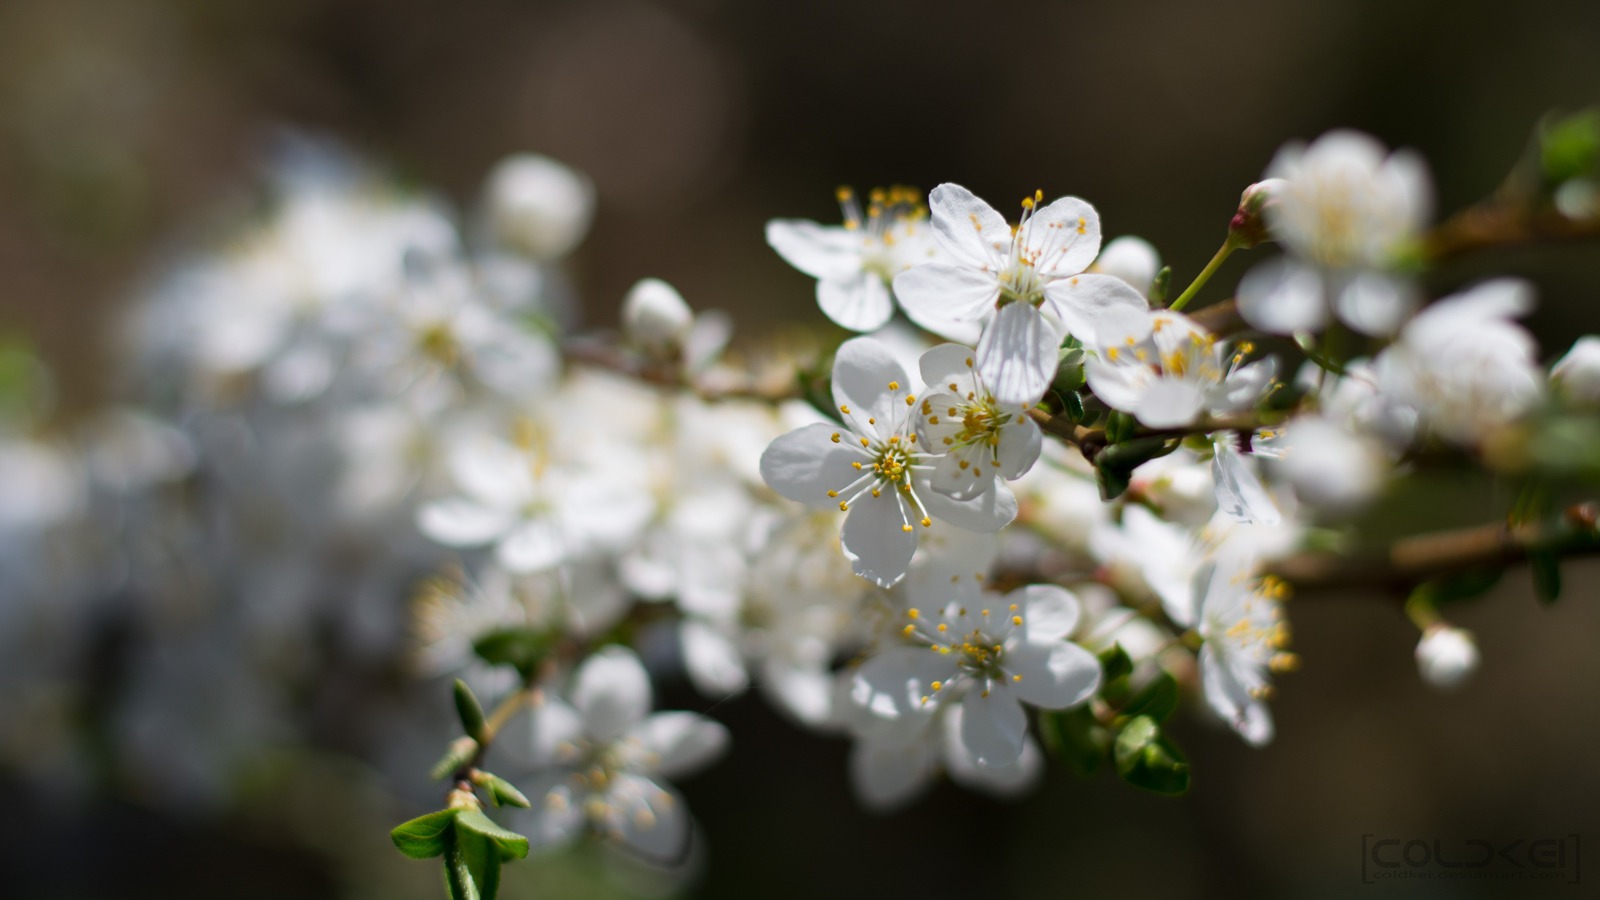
1028 490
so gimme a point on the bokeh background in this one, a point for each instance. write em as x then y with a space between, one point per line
125 127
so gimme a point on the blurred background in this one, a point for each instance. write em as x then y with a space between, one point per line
125 128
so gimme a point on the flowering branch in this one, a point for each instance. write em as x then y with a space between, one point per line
1418 558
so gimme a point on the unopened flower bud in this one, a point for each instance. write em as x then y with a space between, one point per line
1249 224
655 317
1576 376
1131 259
1446 655
537 206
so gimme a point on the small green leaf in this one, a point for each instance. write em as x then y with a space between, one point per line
1074 737
1119 427
501 791
1158 699
425 836
471 867
1160 286
508 844
1546 568
471 712
1116 662
461 752
1570 147
1072 407
1147 759
520 648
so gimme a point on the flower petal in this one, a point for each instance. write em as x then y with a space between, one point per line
1064 237
1099 310
876 540
990 511
532 545
1049 612
966 227
611 691
860 302
1020 444
889 774
683 742
714 663
993 727
1280 296
1017 355
1169 403
946 299
863 371
458 522
819 251
807 463
1055 675
946 365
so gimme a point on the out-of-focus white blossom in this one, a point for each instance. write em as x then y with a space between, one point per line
1576 376
537 206
1446 655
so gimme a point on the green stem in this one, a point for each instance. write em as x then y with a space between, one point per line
1228 246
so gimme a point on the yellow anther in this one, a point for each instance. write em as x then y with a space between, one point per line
894 385
843 506
969 365
1038 195
910 399
943 627
1015 678
834 437
933 420
905 527
965 464
907 631
1013 607
871 421
875 492
833 493
985 612
865 442
1284 662
1016 620
843 194
913 613
857 466
938 685
927 522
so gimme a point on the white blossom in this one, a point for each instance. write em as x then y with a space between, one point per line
1025 286
1446 655
1177 374
872 468
855 263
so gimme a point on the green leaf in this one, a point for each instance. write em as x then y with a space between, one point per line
1074 737
461 752
1161 285
508 844
471 867
1460 586
1570 147
1116 662
1546 569
425 836
1114 464
1119 427
471 712
1072 407
521 648
501 791
1157 700
1147 759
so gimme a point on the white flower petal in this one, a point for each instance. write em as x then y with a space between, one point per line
652 820
990 511
1232 701
611 691
860 302
966 227
1063 237
1017 356
822 252
1374 303
946 299
1239 492
1020 444
993 727
863 370
1169 403
946 365
714 663
1054 675
807 463
1281 296
889 774
1049 612
875 538
1099 310
683 742
459 522
532 545
964 482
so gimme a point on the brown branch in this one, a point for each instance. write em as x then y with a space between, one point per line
1413 560
1494 224
717 385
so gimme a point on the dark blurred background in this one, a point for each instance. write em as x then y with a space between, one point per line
123 125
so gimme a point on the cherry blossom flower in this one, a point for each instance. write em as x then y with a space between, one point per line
872 468
855 263
602 755
1026 287
984 441
991 659
1178 373
1246 638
